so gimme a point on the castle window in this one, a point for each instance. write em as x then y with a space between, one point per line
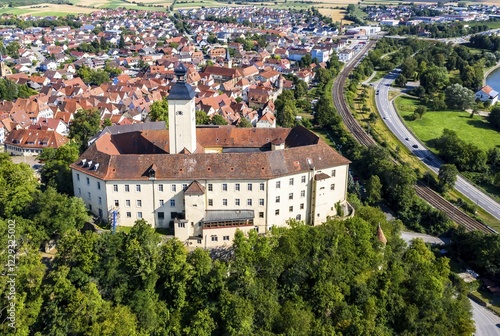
237 187
225 238
303 179
333 173
224 187
302 193
117 203
98 185
162 202
174 188
277 199
214 238
261 214
262 186
237 201
127 203
139 203
172 203
89 196
88 181
249 187
184 186
261 201
127 188
298 217
249 201
138 187
160 187
278 184
210 187
290 208
277 211
332 186
139 215
290 182
224 201
301 206
129 214
210 202
161 215
100 200
290 196
78 178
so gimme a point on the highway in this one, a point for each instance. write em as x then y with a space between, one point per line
396 125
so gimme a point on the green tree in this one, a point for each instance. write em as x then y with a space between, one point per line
434 79
447 177
459 97
244 123
159 111
373 190
401 81
420 111
218 120
53 214
202 118
17 185
494 117
55 171
300 89
84 126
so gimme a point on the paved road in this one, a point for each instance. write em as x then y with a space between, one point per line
487 323
409 236
391 119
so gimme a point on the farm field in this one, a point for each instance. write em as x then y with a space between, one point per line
476 130
326 7
46 9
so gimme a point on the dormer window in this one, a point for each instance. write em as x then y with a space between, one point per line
151 172
84 161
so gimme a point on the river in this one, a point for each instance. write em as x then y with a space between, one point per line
493 80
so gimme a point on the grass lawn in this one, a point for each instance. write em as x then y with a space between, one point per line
432 124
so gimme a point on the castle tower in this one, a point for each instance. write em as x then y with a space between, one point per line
380 235
181 114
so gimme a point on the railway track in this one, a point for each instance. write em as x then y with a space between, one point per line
424 192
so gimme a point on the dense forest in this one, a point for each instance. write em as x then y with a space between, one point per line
334 279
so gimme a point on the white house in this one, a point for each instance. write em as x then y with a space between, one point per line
487 94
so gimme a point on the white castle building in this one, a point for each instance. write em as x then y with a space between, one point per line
207 182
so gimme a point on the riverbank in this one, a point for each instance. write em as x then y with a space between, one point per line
489 71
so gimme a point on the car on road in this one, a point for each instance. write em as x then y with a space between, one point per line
415 146
407 139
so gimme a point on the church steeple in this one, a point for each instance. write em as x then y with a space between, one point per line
181 114
228 60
